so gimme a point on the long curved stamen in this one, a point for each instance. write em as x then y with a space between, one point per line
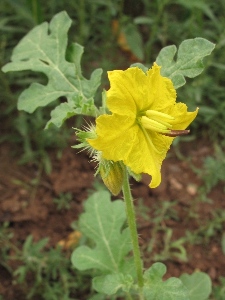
154 125
159 117
154 113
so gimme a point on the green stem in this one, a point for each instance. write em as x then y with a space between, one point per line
128 296
133 232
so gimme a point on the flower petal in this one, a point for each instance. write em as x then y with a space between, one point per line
115 136
143 159
128 91
161 92
182 118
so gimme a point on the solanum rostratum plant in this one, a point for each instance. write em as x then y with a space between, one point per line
134 128
145 118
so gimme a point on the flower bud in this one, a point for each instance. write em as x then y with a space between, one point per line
112 174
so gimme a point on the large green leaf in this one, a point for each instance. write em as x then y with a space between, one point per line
157 289
199 285
102 222
44 50
189 61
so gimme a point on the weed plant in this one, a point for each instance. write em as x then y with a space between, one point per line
41 272
154 24
63 201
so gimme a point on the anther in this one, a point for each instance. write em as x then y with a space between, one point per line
154 113
154 125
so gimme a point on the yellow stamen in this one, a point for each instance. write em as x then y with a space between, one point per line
159 117
154 125
154 113
168 125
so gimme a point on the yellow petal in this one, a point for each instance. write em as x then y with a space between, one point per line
115 136
143 159
182 118
161 90
128 92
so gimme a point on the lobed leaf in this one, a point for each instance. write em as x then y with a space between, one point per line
44 49
199 285
111 283
189 60
157 289
102 223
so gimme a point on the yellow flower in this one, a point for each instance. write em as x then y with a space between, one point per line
145 118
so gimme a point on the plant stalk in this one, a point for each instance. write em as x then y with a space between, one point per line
133 232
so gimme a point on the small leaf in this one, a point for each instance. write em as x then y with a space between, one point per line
198 284
137 177
157 289
102 222
140 66
111 283
44 49
134 40
60 114
143 20
189 61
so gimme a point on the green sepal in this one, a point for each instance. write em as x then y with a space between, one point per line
136 176
83 135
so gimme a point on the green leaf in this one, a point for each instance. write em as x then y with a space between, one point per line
102 223
143 20
189 60
33 249
137 177
60 114
134 40
198 284
111 283
140 66
43 49
157 289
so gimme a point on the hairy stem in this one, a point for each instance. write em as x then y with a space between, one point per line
133 232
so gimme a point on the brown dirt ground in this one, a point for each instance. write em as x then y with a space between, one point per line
30 209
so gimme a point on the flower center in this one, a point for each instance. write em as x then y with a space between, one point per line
156 121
